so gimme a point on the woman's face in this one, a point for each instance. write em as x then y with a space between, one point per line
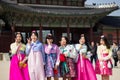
114 44
102 42
82 40
92 43
49 40
18 38
34 37
63 41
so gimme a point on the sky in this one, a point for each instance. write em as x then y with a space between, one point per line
114 13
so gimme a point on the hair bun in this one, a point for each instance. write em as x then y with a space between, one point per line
49 36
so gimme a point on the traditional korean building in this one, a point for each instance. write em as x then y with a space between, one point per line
59 17
110 27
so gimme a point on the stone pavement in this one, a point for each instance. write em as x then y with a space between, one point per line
4 71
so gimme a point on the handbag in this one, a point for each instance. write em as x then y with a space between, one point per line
55 71
109 64
62 57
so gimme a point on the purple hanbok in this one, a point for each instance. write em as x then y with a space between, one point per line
51 59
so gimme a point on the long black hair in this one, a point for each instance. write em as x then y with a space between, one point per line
106 41
86 41
66 38
20 35
49 36
35 33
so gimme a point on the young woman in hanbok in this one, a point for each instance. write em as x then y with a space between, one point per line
36 58
85 70
104 64
18 66
52 61
67 56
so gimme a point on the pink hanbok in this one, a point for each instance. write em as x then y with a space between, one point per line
85 70
17 72
104 67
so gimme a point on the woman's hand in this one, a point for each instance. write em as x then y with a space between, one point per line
28 41
101 59
10 51
25 59
80 46
65 54
56 66
21 64
84 56
55 69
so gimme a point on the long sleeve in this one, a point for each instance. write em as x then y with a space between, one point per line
72 53
58 54
99 52
103 49
13 48
27 49
43 53
83 50
109 55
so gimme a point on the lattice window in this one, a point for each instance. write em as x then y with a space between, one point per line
42 1
28 1
33 1
20 1
49 2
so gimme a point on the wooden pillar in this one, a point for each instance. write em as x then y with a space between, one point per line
91 30
25 1
40 33
117 35
45 2
30 2
65 2
91 34
57 2
68 31
83 3
13 32
38 1
51 2
26 36
17 1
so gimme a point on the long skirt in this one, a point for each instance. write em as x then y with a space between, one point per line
50 65
85 70
67 68
102 67
17 72
36 66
